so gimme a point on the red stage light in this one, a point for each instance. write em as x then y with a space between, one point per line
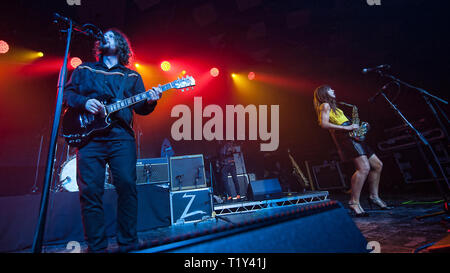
75 61
4 47
251 76
214 72
165 66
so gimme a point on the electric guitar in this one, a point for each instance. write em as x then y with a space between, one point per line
79 125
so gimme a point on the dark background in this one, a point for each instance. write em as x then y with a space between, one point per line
292 46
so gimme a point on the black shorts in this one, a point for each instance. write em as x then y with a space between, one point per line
349 148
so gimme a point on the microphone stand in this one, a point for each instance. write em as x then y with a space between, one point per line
419 135
427 97
35 188
39 232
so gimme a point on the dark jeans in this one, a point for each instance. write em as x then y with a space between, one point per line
232 190
91 164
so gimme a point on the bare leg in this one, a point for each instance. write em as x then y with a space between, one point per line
374 182
374 175
359 177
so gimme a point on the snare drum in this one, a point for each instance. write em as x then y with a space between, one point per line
68 176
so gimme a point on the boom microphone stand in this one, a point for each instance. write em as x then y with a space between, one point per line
39 233
424 141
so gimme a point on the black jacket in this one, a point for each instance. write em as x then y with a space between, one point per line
95 80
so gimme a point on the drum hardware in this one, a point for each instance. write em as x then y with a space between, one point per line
68 176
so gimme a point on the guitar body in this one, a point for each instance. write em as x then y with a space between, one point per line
79 125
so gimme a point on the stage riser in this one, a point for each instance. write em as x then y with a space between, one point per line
19 216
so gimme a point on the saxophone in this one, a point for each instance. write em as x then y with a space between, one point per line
360 133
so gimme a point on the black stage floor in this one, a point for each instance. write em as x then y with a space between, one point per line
396 230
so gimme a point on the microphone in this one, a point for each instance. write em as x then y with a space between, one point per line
383 66
84 29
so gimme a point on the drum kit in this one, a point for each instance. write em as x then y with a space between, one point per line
68 176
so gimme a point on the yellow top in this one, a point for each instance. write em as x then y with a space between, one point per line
338 117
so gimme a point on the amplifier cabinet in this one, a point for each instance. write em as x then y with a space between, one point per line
417 165
187 172
327 176
152 171
190 205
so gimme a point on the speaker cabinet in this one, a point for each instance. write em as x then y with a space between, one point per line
187 172
152 171
326 176
264 189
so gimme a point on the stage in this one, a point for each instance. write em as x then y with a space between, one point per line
312 222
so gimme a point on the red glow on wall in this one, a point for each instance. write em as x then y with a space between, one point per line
41 67
287 82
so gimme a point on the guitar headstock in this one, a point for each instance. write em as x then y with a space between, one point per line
184 82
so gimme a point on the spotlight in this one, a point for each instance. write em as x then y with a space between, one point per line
165 66
251 76
75 61
4 47
183 72
40 54
214 72
233 75
137 65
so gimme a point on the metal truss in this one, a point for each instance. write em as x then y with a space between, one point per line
248 206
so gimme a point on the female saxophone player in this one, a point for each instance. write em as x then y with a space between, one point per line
368 165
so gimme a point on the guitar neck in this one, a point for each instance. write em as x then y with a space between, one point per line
122 104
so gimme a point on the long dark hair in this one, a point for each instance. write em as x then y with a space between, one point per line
321 96
125 53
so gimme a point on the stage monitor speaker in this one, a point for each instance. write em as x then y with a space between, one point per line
187 172
320 230
264 189
152 171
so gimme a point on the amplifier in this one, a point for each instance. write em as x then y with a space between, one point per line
416 164
327 176
152 171
187 172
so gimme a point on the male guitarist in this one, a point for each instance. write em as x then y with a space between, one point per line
108 79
